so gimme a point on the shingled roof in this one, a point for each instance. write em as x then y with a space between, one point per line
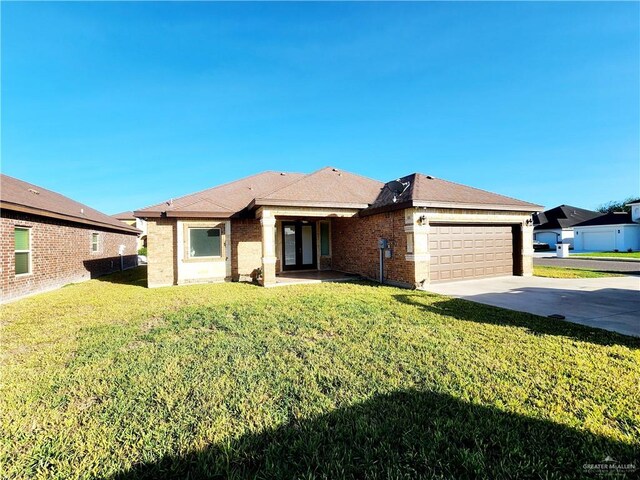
562 216
428 191
17 195
222 201
124 215
613 218
327 187
331 188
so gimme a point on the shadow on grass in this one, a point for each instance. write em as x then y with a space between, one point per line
407 434
99 267
136 277
477 312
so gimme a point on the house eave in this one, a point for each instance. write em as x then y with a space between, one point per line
184 214
70 218
550 229
451 205
264 202
145 214
479 206
197 214
608 225
385 208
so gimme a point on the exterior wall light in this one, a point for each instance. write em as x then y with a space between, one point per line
422 220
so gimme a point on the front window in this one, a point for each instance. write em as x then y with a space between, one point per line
22 237
204 242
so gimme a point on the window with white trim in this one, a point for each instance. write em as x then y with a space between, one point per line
204 242
22 239
95 242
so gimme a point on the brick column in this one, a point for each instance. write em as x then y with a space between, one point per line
268 223
416 227
527 249
421 248
161 238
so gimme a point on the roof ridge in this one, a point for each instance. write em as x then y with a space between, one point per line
305 175
209 188
315 172
413 185
361 176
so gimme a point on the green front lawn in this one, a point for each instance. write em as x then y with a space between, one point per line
108 379
608 254
561 272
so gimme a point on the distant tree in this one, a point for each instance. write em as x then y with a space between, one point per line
614 206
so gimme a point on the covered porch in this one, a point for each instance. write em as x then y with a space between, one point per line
297 244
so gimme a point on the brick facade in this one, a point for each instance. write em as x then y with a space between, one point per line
162 238
60 253
355 247
246 249
354 244
162 241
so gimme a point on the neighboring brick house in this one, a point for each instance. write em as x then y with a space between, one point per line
49 240
267 224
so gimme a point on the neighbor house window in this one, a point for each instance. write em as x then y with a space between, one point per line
325 242
204 242
22 238
95 242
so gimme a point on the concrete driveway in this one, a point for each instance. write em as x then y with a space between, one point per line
612 303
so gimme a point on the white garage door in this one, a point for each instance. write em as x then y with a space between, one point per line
603 240
547 237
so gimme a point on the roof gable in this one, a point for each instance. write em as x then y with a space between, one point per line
327 186
29 198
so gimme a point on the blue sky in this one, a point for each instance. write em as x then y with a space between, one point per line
122 105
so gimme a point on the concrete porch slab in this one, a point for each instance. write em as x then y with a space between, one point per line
313 276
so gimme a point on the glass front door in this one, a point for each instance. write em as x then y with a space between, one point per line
298 245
